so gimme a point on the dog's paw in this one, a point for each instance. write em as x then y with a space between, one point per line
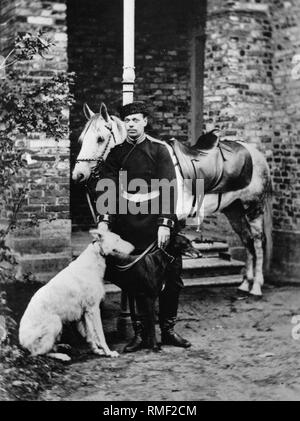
112 354
59 356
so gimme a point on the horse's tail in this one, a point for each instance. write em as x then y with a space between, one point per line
267 226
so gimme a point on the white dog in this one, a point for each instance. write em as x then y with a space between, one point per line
74 294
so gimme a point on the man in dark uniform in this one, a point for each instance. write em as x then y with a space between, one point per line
145 158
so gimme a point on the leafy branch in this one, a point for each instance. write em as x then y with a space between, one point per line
25 107
26 47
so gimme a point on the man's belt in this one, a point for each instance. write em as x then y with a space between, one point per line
140 197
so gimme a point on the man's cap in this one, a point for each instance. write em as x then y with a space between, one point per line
136 107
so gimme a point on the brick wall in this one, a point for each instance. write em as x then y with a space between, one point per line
250 94
163 60
286 139
238 63
238 92
45 247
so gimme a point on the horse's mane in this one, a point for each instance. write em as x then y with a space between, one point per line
120 125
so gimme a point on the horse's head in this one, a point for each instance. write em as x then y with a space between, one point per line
101 133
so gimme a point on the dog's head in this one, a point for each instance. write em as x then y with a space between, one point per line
180 245
110 242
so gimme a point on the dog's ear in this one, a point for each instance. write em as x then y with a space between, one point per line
95 234
102 228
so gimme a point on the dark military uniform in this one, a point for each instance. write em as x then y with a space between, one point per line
147 159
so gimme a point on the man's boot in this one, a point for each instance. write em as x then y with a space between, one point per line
168 306
170 337
139 324
137 341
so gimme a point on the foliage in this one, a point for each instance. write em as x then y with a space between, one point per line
25 377
27 106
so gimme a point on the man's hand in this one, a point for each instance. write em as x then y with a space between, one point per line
163 236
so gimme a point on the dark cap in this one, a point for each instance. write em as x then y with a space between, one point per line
136 107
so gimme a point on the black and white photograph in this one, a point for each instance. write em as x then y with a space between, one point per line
149 203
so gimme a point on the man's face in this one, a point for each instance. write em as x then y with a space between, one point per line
135 124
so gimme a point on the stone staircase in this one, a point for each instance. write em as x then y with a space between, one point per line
215 267
45 259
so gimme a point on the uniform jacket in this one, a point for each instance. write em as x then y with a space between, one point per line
148 160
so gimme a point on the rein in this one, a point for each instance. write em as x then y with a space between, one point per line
88 198
124 268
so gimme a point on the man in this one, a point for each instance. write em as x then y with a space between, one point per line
145 158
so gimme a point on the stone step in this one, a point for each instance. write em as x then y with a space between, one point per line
44 263
208 249
188 282
211 249
210 266
31 245
44 268
210 245
193 282
44 277
213 280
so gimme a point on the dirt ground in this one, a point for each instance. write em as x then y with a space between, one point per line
242 350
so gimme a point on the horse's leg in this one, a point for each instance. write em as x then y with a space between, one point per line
237 218
256 226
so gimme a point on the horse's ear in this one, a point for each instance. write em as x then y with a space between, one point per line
104 112
87 111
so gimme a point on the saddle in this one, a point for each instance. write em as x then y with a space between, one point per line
223 165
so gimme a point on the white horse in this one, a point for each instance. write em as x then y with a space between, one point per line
248 209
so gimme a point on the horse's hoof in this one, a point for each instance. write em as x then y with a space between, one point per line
244 287
256 291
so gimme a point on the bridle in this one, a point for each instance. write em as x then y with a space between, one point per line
100 159
95 170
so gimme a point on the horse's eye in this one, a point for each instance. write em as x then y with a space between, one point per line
99 140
